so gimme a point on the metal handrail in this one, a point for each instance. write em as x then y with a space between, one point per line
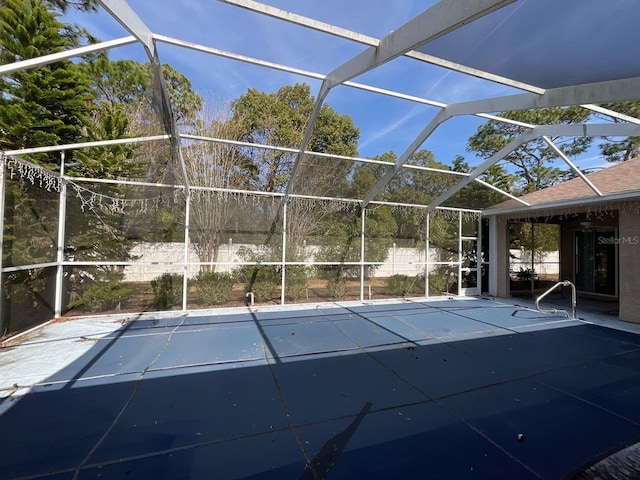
565 283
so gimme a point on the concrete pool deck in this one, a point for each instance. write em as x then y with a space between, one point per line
450 388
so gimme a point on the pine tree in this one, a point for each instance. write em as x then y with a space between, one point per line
46 105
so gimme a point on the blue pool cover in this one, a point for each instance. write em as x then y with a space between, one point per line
446 389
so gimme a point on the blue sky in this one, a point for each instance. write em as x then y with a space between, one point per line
385 123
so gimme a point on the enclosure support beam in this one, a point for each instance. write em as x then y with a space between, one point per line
125 16
610 91
410 150
459 253
561 154
442 18
56 57
362 219
570 130
3 163
426 255
62 218
374 42
532 279
185 268
284 252
479 256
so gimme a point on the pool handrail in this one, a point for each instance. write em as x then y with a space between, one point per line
565 283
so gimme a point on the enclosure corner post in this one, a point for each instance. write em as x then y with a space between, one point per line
62 218
3 163
426 255
362 266
185 269
284 249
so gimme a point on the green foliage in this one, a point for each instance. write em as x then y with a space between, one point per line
525 274
296 281
443 236
280 118
443 279
619 149
42 106
402 285
337 287
51 101
261 280
167 290
214 288
438 282
84 5
533 160
109 161
546 237
341 242
101 296
478 196
130 85
399 285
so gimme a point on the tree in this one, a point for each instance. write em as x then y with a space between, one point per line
621 149
84 5
409 186
478 196
130 84
280 119
47 105
531 161
213 165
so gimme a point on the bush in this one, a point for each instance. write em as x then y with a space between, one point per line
417 286
214 288
262 281
337 287
296 282
440 281
101 296
399 285
525 274
167 290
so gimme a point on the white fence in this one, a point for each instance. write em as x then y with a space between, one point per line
153 259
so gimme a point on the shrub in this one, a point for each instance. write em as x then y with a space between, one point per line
214 288
438 283
262 281
399 285
417 286
264 290
167 290
337 287
296 282
101 296
525 274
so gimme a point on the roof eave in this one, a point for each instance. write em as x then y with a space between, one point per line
572 202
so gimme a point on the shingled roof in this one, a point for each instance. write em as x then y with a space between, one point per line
611 181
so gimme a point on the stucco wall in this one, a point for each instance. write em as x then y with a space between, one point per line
629 256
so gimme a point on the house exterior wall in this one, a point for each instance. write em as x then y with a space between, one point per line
629 262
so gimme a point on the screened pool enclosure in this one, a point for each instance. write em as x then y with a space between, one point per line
154 216
135 246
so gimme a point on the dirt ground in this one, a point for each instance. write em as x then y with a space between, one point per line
141 300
